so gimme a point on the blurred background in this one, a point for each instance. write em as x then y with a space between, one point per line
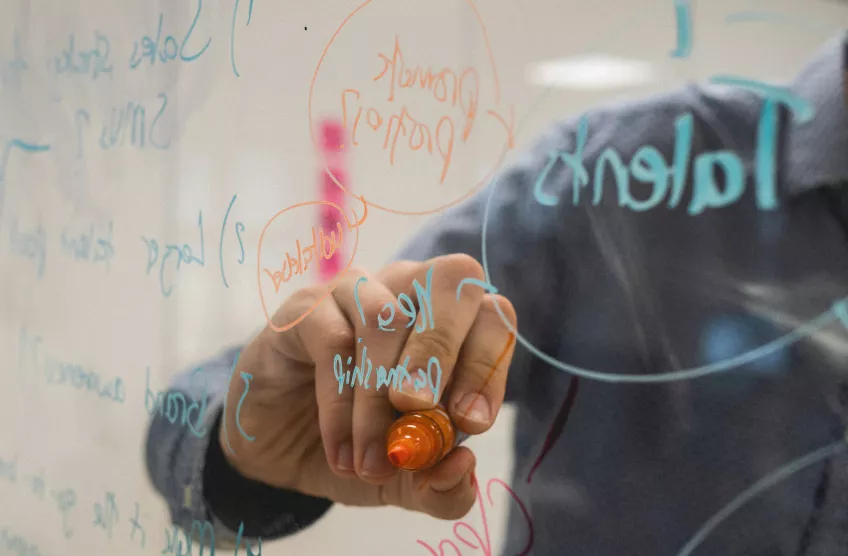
131 130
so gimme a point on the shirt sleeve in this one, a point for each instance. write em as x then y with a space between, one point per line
187 467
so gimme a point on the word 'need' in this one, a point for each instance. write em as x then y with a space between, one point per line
406 306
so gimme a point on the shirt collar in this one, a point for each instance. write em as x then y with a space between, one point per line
816 151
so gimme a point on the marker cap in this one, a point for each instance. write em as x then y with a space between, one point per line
420 439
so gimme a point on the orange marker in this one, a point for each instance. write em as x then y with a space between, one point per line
420 439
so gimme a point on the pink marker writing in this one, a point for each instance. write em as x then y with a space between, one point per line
332 151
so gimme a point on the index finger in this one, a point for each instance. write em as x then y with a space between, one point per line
443 322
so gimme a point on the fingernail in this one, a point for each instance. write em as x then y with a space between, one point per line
344 460
422 397
474 407
474 479
376 463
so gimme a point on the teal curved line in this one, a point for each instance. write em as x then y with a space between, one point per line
247 378
799 333
224 419
233 34
221 244
773 478
838 312
28 147
683 15
474 281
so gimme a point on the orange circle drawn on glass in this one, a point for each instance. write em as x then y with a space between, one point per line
330 287
466 195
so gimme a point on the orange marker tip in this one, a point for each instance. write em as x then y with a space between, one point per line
399 454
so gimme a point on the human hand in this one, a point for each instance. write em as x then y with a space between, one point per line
312 439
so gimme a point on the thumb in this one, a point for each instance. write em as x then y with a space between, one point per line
448 490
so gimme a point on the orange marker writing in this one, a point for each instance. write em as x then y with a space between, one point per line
420 439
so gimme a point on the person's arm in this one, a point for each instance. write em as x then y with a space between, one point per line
525 257
188 468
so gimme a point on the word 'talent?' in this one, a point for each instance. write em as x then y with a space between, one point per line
648 166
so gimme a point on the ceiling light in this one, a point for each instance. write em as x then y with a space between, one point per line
592 72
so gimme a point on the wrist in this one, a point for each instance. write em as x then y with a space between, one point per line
236 455
263 510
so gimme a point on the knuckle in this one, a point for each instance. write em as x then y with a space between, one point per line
352 278
371 307
371 396
268 345
460 265
356 272
478 369
297 304
434 342
328 399
308 294
338 338
400 320
492 302
398 268
264 341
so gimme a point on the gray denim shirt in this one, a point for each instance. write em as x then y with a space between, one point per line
705 324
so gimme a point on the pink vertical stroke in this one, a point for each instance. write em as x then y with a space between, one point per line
332 151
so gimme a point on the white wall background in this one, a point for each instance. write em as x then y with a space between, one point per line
249 136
